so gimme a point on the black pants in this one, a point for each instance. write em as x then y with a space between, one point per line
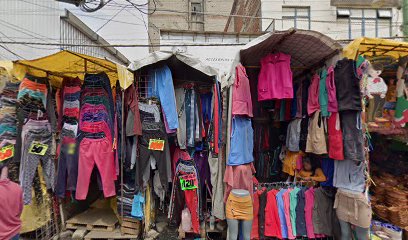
152 131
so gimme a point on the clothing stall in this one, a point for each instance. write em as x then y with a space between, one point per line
298 149
177 139
386 106
48 104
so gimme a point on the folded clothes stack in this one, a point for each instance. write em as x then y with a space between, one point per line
8 100
132 204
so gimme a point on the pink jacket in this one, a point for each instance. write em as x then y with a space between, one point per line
313 100
275 77
241 95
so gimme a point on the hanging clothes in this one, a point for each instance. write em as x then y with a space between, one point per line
241 93
323 96
347 85
275 77
316 139
335 137
313 100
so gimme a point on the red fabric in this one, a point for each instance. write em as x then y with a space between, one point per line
272 222
313 101
192 204
99 152
331 91
309 203
132 100
286 205
239 177
71 112
288 105
179 154
241 94
11 201
255 222
335 137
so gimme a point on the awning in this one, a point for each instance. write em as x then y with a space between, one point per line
174 60
308 49
375 47
71 64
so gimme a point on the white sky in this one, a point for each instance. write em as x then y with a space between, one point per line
125 28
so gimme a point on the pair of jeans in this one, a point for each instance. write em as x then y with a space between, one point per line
67 167
163 88
29 162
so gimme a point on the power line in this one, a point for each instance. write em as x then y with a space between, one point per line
8 50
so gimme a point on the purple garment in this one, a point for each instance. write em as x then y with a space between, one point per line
201 160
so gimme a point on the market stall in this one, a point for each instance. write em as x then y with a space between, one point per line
43 101
298 151
179 102
385 101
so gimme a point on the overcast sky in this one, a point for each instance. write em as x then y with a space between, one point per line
127 27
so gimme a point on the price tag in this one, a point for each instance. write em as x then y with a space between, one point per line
38 148
188 182
71 148
6 152
156 144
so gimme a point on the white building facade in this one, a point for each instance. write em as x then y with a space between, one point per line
44 21
339 19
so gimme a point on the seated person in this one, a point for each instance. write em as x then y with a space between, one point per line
310 173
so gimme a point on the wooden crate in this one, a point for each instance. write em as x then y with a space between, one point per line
92 235
94 219
131 226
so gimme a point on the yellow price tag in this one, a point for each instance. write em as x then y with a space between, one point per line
38 148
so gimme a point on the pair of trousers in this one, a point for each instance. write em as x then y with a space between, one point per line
95 152
152 131
180 199
29 163
67 168
164 89
346 234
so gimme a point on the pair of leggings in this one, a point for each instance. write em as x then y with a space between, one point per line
29 163
67 168
95 152
233 229
375 107
346 234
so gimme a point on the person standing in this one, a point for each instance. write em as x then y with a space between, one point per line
11 206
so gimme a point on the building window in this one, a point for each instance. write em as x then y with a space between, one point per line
196 15
367 22
296 17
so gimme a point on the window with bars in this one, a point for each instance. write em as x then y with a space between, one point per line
367 22
296 17
196 16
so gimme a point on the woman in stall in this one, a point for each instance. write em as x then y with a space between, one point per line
310 173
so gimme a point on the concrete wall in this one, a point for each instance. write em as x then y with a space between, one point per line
323 18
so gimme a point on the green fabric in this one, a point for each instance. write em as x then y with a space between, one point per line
293 204
401 107
360 60
323 97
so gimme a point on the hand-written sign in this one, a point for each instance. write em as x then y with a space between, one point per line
156 144
6 152
38 148
188 182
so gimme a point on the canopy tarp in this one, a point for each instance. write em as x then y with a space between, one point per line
308 49
375 47
173 60
71 64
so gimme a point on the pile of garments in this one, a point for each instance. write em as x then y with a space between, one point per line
95 138
68 104
36 124
8 121
292 212
132 204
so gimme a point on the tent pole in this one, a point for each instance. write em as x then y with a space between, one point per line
229 120
122 153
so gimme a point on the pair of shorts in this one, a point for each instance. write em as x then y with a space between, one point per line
239 208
